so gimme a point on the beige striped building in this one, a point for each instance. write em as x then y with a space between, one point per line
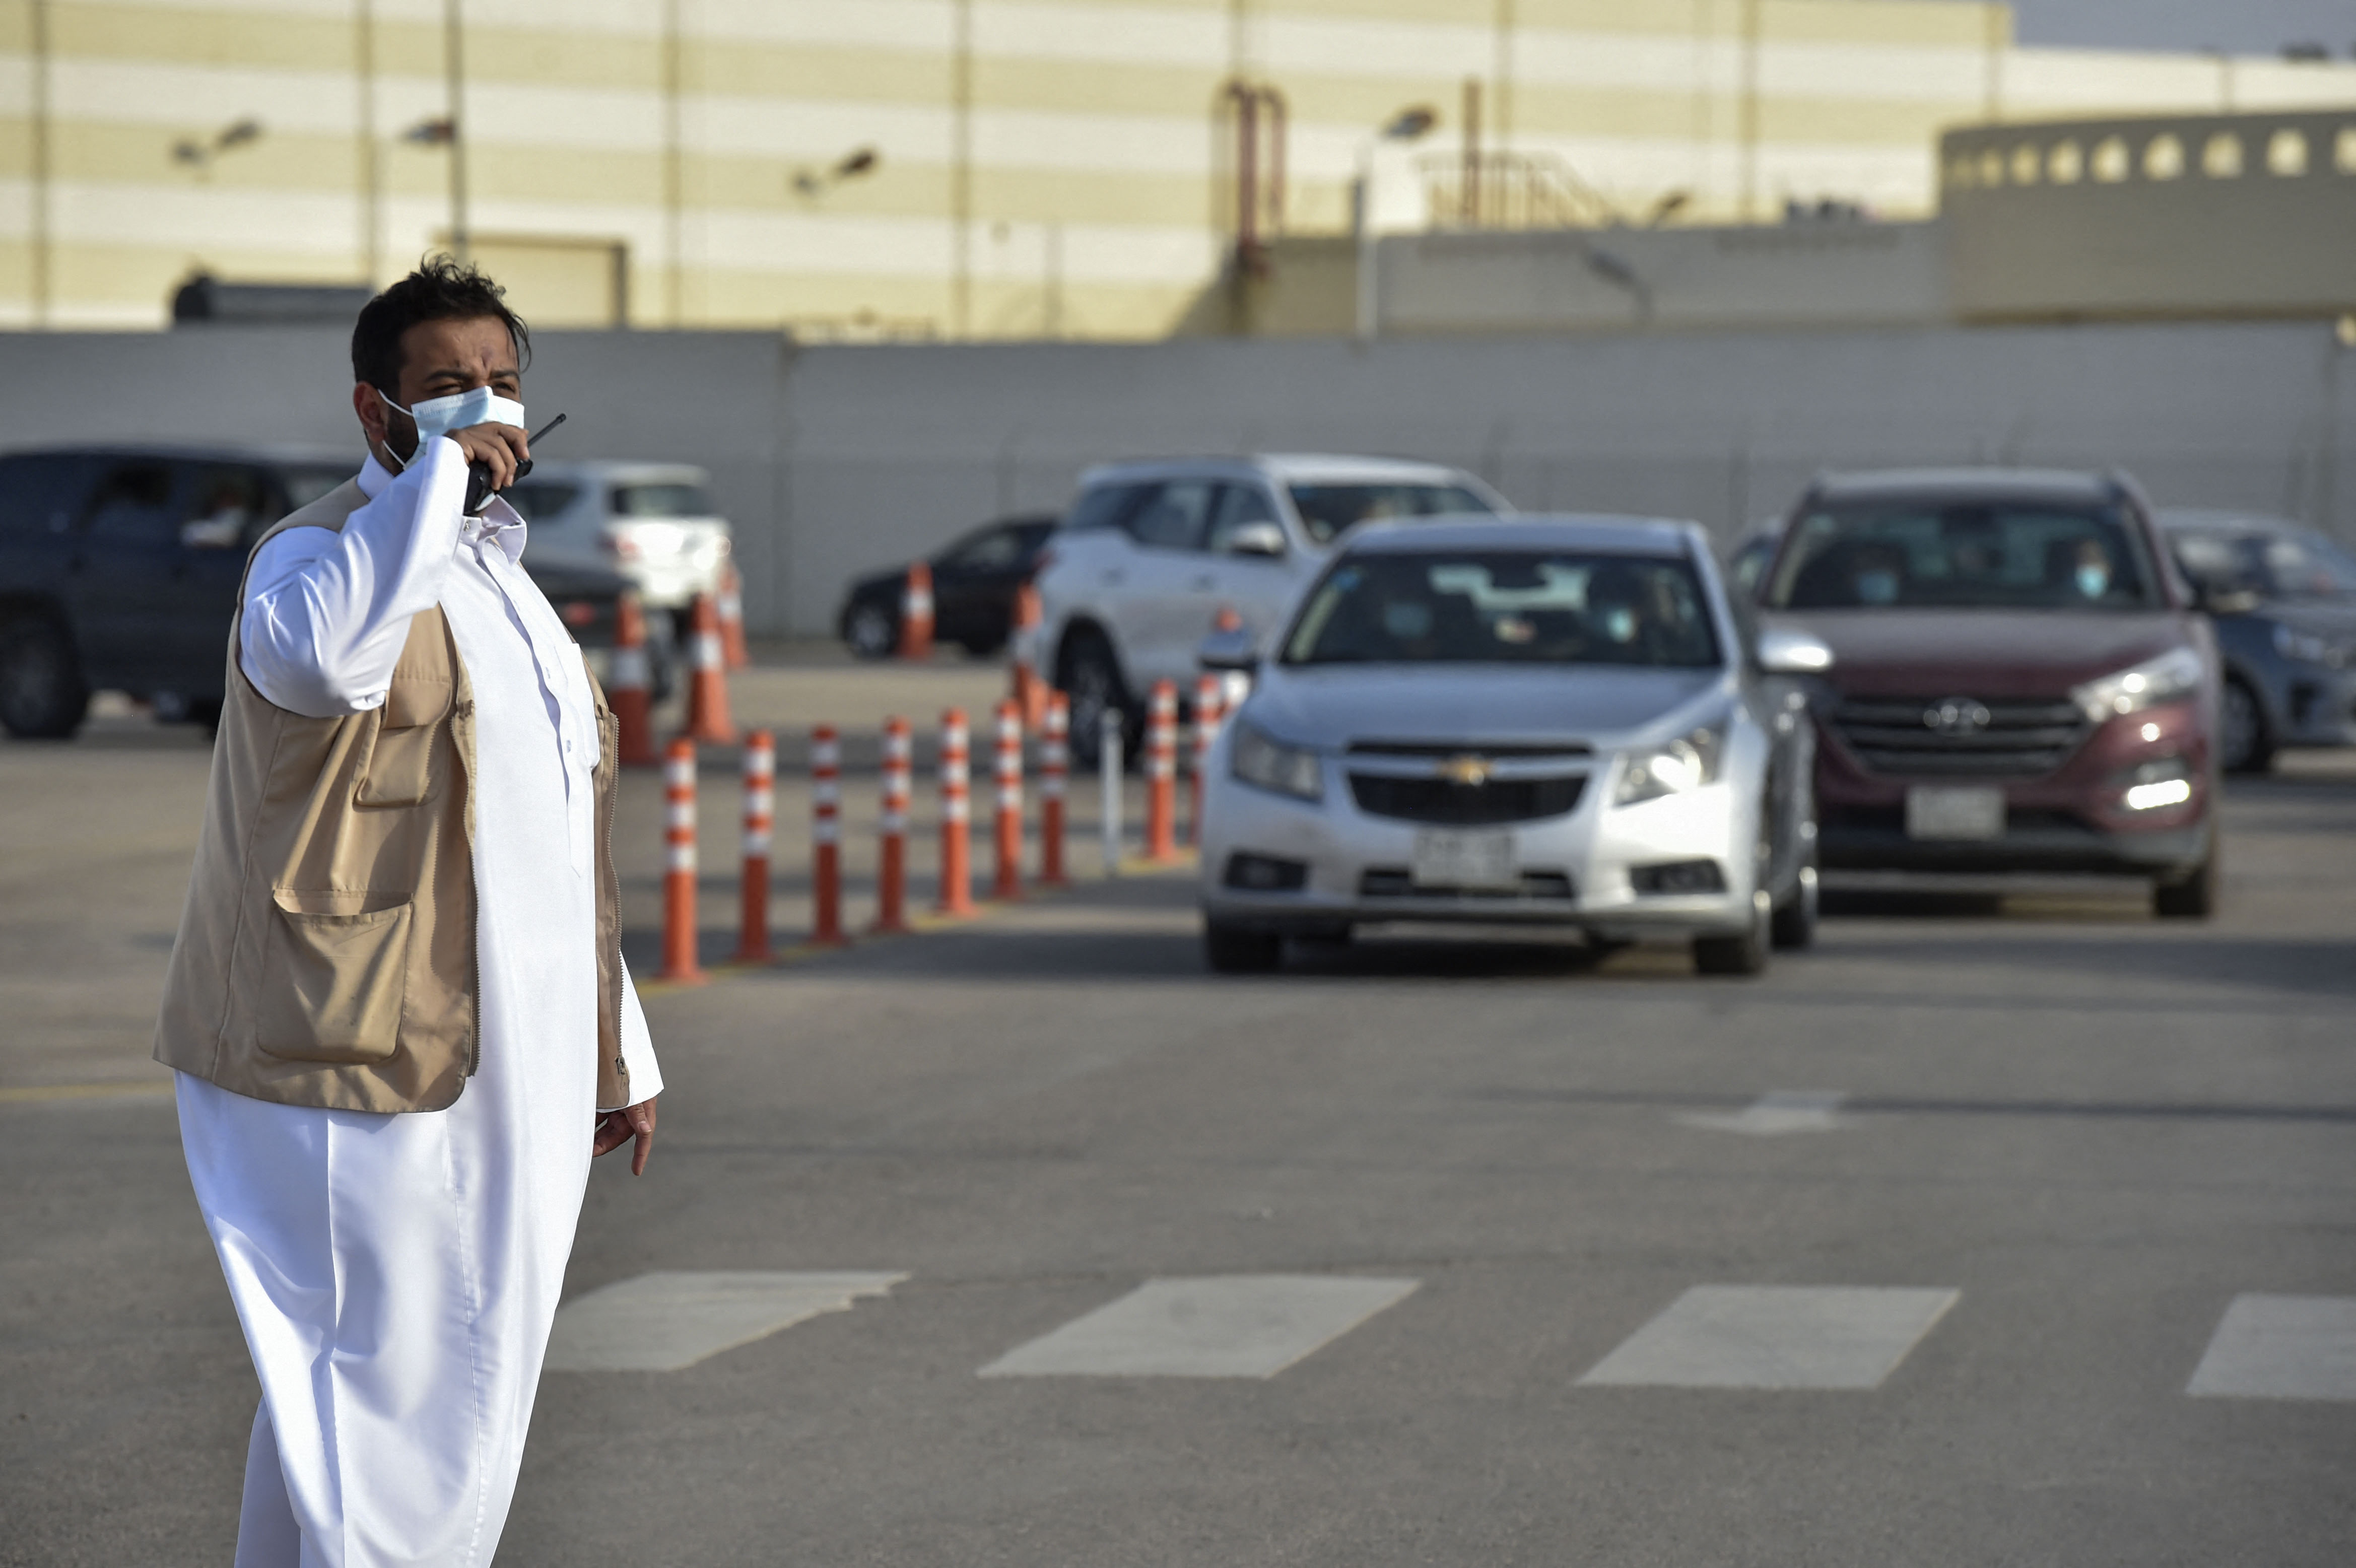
983 168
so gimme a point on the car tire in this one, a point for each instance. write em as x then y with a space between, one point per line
1087 673
42 697
2192 896
1742 954
1240 950
2243 743
871 632
1794 922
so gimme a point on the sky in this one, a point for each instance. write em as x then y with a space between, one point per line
2243 26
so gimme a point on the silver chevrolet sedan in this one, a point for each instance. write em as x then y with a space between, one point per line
1551 720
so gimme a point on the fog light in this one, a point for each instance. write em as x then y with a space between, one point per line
2152 796
1266 874
1679 877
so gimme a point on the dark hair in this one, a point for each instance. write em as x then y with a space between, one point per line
442 289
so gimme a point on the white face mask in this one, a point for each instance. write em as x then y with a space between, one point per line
437 417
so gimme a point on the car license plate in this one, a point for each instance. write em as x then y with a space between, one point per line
1446 860
1938 811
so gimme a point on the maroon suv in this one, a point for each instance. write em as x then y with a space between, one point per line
2019 681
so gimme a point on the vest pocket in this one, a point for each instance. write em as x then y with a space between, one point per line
400 770
332 985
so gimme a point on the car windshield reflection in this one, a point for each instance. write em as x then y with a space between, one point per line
1901 555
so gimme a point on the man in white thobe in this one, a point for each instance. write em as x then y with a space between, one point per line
397 1272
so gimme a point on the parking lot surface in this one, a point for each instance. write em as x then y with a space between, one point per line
1989 1232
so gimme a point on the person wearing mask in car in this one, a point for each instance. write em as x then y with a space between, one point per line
1877 574
397 1003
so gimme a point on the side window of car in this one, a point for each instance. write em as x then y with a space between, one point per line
996 550
1238 504
40 494
1177 516
225 505
1106 506
542 502
133 505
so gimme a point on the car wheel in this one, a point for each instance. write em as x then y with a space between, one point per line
1088 675
2243 744
871 631
1742 954
41 693
1239 950
1794 924
2190 897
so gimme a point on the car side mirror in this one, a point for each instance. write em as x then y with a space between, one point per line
1256 538
1224 653
1781 651
2213 598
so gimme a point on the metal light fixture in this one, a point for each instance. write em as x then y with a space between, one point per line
860 160
200 155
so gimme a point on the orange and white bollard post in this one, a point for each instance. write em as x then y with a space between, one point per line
1054 769
916 613
734 653
1008 835
1210 693
630 693
957 864
760 801
1161 773
826 837
707 690
1030 691
678 965
891 840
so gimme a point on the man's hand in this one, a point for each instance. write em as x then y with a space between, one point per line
615 1128
501 446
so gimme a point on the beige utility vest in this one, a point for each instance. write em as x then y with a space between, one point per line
326 953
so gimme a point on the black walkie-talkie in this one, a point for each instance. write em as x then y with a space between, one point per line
478 475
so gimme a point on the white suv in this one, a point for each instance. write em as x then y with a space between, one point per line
1151 553
652 522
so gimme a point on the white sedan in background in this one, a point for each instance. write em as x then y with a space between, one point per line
1548 722
652 522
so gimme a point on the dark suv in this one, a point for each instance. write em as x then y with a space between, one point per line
2021 682
120 566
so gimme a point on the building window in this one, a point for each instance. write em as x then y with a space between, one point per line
2111 161
2222 158
2163 157
2026 165
2344 150
1991 168
1959 173
2287 152
2066 164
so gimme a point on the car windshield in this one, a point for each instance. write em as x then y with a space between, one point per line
1506 607
660 501
1328 511
1971 555
2289 564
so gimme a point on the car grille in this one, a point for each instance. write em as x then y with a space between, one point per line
1981 739
1448 803
1397 882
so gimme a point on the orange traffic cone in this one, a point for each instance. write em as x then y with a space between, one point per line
916 613
1030 692
626 693
732 651
707 688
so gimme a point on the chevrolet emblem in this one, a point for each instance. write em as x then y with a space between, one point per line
1471 772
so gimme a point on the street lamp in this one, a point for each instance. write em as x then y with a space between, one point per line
1407 126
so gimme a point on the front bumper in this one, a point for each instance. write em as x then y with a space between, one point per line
1575 868
2316 707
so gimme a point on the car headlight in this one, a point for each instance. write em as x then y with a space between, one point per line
2307 648
2174 675
1266 763
1687 762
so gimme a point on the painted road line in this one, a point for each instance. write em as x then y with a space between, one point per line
662 1322
1775 1114
1233 1326
1775 1336
2281 1347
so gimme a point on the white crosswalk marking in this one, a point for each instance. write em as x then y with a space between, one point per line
2281 1347
662 1322
1775 1336
1236 1326
1775 1114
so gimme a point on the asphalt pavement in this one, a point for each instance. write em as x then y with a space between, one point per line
1988 1232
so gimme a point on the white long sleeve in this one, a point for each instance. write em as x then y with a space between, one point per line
638 1046
327 613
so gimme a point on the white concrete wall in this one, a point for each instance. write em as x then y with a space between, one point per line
833 460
